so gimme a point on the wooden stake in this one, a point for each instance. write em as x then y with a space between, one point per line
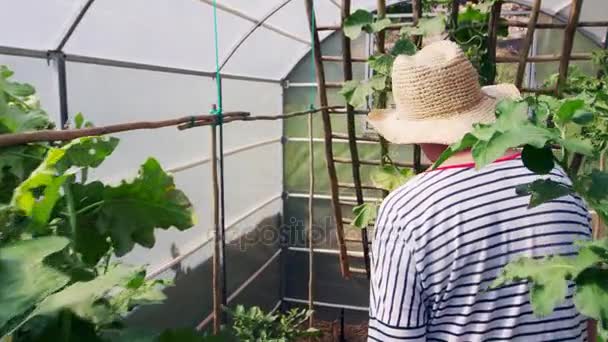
350 124
454 14
311 197
569 32
217 284
382 100
525 50
181 123
493 37
331 168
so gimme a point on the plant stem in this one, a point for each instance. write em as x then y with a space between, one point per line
84 174
107 261
69 198
66 325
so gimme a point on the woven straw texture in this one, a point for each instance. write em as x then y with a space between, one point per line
437 97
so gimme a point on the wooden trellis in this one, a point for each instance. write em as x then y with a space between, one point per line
522 60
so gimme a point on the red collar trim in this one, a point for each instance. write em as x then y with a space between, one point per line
471 164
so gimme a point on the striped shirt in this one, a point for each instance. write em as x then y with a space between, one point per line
442 238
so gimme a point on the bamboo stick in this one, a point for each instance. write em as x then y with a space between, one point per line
69 134
331 168
182 123
454 9
357 138
511 23
493 37
581 56
525 50
575 11
217 293
261 117
371 162
350 123
311 190
518 23
382 99
362 186
341 59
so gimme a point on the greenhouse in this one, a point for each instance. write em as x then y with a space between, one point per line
292 170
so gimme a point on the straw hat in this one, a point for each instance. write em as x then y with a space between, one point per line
437 97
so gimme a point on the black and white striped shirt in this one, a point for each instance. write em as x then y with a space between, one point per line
442 239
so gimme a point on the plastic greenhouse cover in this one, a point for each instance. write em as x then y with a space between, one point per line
592 10
262 38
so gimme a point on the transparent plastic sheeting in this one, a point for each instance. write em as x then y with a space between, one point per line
173 33
592 10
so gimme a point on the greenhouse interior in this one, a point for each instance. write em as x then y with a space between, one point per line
212 170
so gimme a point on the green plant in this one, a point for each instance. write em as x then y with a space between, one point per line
569 132
387 177
256 326
470 33
59 232
357 92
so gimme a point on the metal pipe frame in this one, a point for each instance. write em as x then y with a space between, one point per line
270 27
31 53
251 31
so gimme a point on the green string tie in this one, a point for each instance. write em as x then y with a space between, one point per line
218 77
218 113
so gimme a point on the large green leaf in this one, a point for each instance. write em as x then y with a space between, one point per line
37 195
89 242
25 279
390 177
568 109
468 141
486 152
543 190
426 27
548 276
591 298
511 114
382 64
377 25
353 25
577 145
84 299
403 47
365 214
356 92
16 120
132 210
89 151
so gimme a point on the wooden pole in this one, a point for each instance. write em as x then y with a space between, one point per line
331 168
70 134
350 123
454 9
182 124
382 100
311 197
217 282
569 32
493 37
525 49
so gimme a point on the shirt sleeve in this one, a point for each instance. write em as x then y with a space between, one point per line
397 310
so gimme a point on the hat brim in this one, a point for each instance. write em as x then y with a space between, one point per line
399 130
